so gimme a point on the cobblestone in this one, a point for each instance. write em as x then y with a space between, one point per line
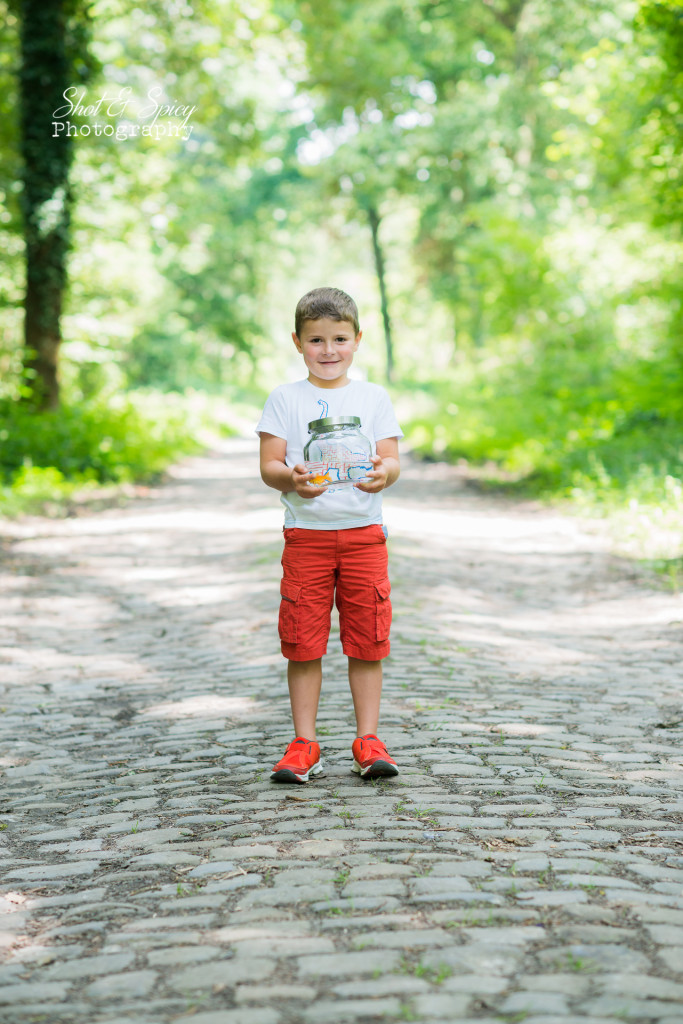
528 860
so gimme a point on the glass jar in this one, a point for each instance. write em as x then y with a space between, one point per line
337 453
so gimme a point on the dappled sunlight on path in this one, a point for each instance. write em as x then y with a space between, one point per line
152 873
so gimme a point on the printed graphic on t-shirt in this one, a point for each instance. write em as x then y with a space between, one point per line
337 458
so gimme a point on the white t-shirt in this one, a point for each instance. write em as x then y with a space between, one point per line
288 411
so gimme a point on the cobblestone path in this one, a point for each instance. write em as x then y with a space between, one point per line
526 865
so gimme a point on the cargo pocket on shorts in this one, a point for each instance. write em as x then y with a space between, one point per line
288 620
382 610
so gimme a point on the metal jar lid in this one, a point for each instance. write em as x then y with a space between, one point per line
315 426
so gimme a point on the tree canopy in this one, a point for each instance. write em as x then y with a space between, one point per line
498 182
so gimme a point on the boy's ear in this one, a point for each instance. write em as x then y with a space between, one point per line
296 341
358 337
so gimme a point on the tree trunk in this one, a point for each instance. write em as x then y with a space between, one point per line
46 198
373 218
477 310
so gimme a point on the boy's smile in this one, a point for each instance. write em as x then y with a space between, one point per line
328 347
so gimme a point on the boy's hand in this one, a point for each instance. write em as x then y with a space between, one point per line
300 483
377 477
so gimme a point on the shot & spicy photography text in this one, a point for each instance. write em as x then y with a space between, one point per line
122 116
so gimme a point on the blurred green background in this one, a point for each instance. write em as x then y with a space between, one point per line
498 183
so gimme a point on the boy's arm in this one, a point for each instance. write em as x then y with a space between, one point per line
276 473
386 466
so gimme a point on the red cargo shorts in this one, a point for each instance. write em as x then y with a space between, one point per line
316 563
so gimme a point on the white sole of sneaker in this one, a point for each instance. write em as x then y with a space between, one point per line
287 775
375 771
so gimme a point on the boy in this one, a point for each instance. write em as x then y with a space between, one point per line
332 540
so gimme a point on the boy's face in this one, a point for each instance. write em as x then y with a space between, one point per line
328 347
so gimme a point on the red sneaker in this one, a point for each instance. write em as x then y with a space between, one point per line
371 758
302 758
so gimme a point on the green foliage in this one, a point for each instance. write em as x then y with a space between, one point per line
661 24
51 454
567 423
34 489
520 162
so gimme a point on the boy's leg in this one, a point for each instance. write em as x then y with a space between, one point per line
363 590
365 680
305 680
302 757
371 759
307 589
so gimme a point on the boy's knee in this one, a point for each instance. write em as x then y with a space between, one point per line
365 620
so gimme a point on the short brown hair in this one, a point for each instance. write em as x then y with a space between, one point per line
329 303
